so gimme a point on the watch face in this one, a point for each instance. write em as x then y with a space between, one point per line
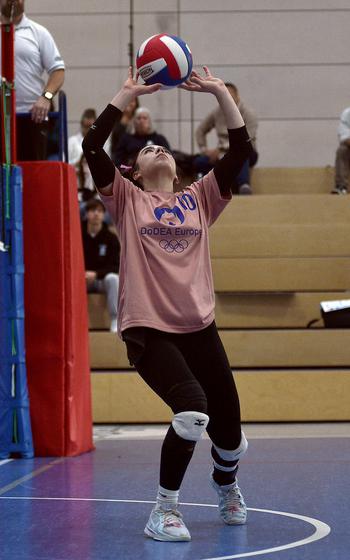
48 95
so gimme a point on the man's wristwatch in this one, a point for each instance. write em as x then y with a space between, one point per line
48 95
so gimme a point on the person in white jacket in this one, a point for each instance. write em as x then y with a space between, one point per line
76 156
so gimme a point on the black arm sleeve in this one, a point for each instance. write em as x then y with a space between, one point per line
101 166
227 168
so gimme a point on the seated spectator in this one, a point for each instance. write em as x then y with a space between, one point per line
101 254
204 162
74 142
144 134
124 125
86 187
342 158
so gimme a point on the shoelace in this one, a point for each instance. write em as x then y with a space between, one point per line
171 517
233 497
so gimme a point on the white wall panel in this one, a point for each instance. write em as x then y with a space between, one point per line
90 88
98 6
34 7
262 5
155 5
270 38
152 23
297 144
288 57
87 41
284 92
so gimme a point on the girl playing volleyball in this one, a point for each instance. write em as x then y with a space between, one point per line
166 299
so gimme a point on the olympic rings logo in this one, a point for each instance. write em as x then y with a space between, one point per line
173 245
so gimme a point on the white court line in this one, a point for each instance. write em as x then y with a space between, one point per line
321 528
4 461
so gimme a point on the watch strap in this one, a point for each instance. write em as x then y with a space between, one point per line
48 95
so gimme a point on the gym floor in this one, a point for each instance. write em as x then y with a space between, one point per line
295 480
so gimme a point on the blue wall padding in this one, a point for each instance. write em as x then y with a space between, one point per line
16 237
18 334
5 384
17 294
5 293
5 346
15 427
11 295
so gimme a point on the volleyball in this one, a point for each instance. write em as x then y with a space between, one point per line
164 59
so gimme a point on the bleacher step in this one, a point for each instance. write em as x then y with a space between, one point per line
249 348
265 395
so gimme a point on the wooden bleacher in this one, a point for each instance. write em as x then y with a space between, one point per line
275 257
292 180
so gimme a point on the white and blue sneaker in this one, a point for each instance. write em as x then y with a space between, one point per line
232 508
166 525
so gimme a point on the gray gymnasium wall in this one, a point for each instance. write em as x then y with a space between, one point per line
290 59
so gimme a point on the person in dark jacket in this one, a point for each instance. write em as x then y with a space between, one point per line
144 135
124 125
101 254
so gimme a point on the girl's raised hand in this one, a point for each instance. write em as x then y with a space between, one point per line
207 83
132 86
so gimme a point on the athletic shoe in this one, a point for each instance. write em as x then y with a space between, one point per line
232 508
166 526
338 189
245 189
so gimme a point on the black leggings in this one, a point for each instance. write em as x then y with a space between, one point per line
189 372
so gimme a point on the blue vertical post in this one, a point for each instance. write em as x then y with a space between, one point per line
15 427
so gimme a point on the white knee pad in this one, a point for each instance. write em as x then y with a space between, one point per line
190 424
235 454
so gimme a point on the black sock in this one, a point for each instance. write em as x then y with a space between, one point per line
175 456
223 478
227 474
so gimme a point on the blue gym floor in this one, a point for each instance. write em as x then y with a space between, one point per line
94 507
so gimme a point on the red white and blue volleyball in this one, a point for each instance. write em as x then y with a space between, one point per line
164 59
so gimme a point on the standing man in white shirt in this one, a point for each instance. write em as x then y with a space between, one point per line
342 158
35 53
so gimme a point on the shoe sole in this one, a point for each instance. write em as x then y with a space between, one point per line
164 538
235 522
